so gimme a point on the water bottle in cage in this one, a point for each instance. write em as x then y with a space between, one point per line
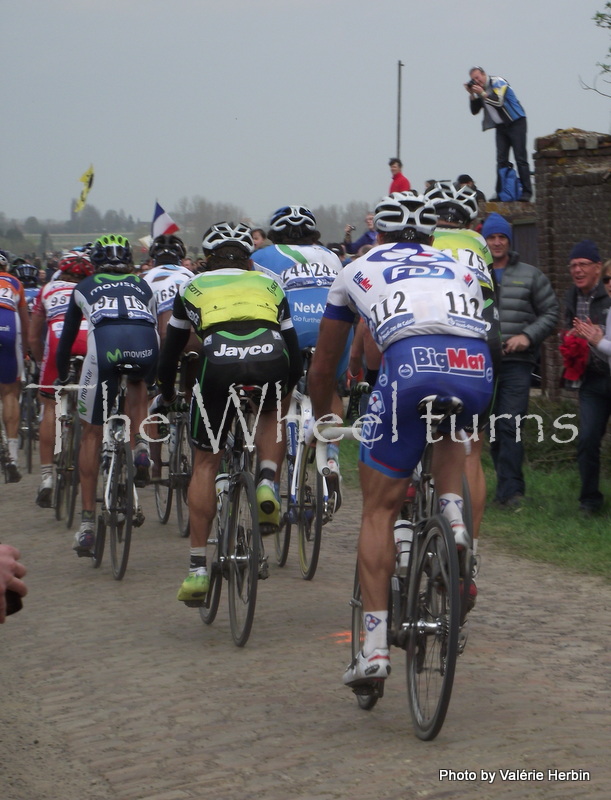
222 485
404 534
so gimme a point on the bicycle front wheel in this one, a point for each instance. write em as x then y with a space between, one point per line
100 541
243 550
181 474
215 570
309 512
121 509
433 616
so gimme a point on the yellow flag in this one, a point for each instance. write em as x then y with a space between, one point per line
87 179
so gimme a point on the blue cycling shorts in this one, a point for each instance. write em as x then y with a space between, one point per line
413 368
11 352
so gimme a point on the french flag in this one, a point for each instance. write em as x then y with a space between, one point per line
163 224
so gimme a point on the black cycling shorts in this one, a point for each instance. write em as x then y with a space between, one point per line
258 357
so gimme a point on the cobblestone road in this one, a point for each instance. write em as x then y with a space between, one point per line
116 691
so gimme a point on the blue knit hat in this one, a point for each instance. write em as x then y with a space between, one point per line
586 249
495 223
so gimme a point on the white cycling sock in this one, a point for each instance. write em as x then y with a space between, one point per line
375 624
13 449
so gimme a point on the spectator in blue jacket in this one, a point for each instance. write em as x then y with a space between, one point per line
369 237
502 111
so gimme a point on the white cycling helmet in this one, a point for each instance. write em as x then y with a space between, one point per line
453 204
228 233
402 210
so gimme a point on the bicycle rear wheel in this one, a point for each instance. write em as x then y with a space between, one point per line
243 549
121 511
366 696
29 425
181 466
73 477
309 512
282 537
163 484
433 614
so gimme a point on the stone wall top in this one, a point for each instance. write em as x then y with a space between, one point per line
572 141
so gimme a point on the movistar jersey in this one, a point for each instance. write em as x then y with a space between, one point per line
306 273
226 296
106 297
406 289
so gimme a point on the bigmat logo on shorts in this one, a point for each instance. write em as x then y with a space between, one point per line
452 360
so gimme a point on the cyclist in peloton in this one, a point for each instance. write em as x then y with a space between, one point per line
307 270
167 274
28 274
14 323
46 323
457 208
121 314
425 313
243 320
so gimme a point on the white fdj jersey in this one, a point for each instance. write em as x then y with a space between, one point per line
164 280
406 289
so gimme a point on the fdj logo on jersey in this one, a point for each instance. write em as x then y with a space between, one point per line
401 272
455 361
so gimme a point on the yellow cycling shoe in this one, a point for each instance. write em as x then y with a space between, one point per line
194 588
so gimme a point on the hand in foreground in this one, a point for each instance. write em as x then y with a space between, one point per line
11 572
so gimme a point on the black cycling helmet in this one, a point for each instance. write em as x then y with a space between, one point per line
112 253
172 247
27 273
292 222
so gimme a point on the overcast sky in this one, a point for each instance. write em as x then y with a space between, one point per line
261 103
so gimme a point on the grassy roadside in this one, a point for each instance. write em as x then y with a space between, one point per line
548 527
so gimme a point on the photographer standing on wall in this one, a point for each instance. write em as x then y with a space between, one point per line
502 111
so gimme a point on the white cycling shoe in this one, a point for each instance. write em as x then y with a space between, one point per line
364 669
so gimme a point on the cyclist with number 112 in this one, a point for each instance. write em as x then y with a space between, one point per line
424 310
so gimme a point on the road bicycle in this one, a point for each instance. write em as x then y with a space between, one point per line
120 510
5 457
67 480
176 458
305 491
235 550
428 595
29 414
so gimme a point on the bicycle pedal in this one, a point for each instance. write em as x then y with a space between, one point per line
138 519
267 529
463 635
194 603
263 569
